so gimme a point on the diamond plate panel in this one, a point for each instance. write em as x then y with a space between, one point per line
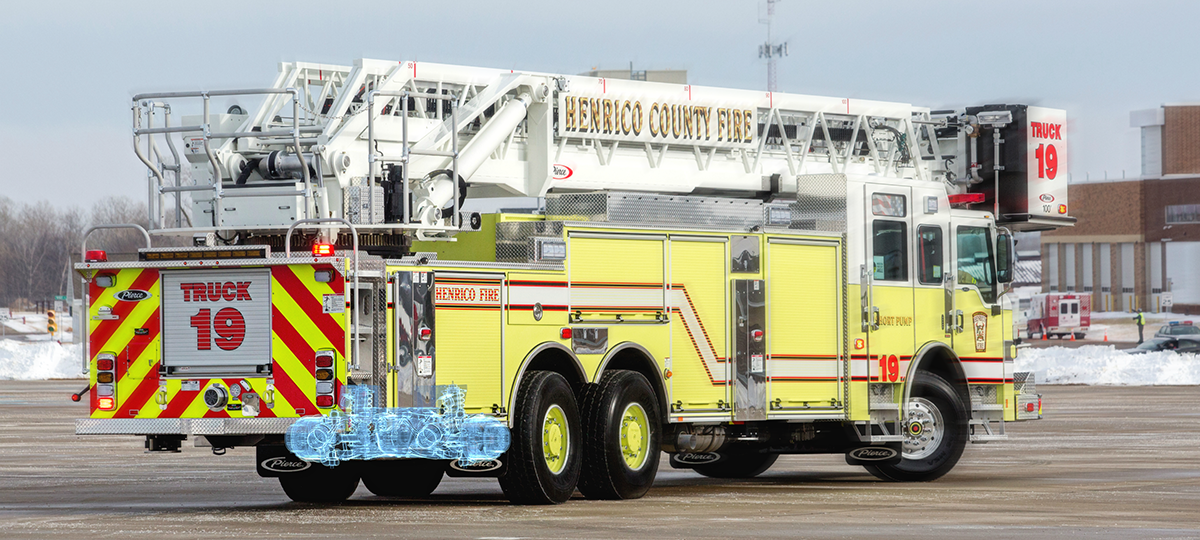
984 394
667 210
131 426
1024 382
820 203
882 394
513 238
240 426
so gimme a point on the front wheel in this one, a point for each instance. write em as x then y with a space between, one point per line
544 457
935 433
409 478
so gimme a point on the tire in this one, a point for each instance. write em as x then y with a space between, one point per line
408 478
321 484
544 458
738 463
934 407
621 437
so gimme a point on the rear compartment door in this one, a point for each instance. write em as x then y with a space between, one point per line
216 322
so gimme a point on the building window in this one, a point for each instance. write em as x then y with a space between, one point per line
1183 213
1126 289
890 250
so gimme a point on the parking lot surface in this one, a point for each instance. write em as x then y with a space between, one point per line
1106 462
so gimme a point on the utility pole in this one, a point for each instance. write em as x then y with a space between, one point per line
771 50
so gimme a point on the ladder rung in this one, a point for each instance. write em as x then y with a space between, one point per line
440 153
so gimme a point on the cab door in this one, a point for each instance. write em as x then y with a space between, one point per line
889 310
978 322
1068 312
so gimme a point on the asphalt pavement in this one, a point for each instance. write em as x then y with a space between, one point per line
1106 462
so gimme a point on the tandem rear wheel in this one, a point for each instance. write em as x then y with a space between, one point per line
321 484
621 433
544 458
935 433
408 478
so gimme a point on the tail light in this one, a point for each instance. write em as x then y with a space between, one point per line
106 381
564 333
325 377
95 255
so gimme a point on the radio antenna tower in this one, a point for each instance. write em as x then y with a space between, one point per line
771 50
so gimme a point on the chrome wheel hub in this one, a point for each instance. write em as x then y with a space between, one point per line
924 429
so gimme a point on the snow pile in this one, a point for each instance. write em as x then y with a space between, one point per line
38 361
1107 366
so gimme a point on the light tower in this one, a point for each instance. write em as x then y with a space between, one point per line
771 50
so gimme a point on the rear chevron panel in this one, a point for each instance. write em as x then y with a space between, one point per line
306 316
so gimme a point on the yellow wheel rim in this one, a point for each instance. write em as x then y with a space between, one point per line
556 439
635 436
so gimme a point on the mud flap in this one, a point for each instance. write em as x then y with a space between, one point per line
275 460
488 468
689 460
883 454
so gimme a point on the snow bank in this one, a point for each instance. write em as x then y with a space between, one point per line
1104 365
37 361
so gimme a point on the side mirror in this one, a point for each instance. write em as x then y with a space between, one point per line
1005 249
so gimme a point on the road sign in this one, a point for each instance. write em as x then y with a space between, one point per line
62 297
5 314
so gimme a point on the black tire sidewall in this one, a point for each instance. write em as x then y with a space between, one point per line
954 440
619 389
321 484
529 479
402 477
738 463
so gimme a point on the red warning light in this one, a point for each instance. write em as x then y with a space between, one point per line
320 249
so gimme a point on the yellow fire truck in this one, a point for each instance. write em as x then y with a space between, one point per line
722 275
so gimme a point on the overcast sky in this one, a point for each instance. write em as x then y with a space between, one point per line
69 68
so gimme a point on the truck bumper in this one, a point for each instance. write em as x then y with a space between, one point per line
182 426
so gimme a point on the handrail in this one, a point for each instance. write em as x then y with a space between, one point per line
287 251
407 152
141 100
94 228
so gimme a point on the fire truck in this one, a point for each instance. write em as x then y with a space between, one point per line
722 275
1059 315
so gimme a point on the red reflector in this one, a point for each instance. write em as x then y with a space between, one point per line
95 255
74 397
426 334
322 250
324 361
757 335
108 404
104 364
966 198
1029 407
324 401
565 333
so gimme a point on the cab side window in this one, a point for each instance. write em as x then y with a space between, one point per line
890 250
929 253
975 261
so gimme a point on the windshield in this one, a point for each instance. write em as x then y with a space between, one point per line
1154 344
975 261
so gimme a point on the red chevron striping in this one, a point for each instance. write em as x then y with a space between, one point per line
145 389
295 397
311 307
293 340
181 401
139 343
105 330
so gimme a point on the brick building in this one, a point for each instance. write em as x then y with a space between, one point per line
1137 242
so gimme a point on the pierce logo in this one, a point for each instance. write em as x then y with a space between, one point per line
873 453
482 466
284 465
696 458
562 172
131 295
1046 197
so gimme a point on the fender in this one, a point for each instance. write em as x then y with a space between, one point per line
549 345
657 383
919 359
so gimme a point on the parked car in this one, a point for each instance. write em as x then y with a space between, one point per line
1178 328
1182 345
